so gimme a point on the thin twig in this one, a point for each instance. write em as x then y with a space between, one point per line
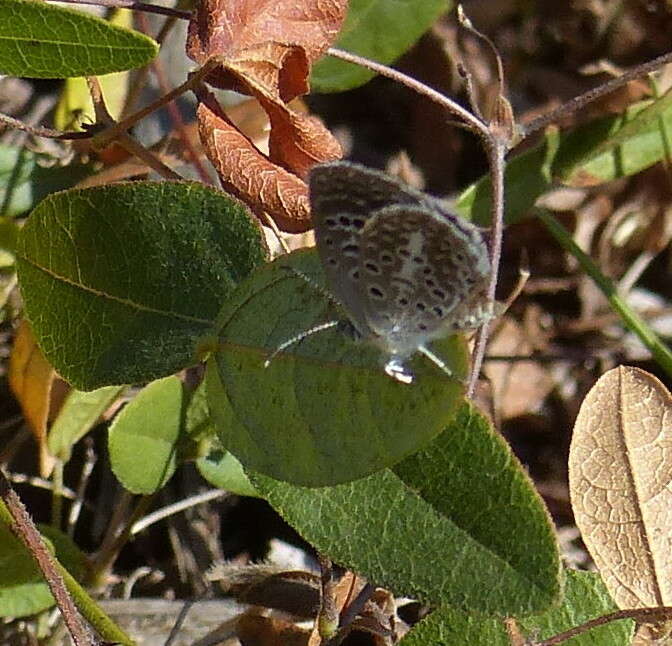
496 152
87 470
23 527
136 6
40 131
591 95
640 615
175 508
476 124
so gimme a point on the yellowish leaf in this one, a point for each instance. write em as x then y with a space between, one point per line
31 378
620 472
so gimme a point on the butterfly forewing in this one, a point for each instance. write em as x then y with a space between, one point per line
343 198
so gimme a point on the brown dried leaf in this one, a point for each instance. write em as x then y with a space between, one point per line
620 468
520 386
247 174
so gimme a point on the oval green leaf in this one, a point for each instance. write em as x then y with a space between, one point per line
381 30
426 535
143 437
222 470
324 411
585 598
40 40
121 281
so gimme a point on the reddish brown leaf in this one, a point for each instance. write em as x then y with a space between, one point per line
246 173
264 49
225 27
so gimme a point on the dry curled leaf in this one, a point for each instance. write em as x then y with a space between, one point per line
620 470
245 172
265 48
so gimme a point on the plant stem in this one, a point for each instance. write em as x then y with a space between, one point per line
14 514
476 124
640 615
632 320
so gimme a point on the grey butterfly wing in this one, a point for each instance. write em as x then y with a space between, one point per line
343 198
424 272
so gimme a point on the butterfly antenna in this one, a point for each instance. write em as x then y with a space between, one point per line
298 338
435 360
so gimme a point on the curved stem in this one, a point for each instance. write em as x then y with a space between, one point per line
476 124
496 150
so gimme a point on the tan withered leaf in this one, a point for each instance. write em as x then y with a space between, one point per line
264 48
620 471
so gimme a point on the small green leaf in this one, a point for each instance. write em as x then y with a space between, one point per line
381 30
585 598
143 437
24 181
324 411
223 471
79 413
121 281
40 40
426 535
23 591
597 152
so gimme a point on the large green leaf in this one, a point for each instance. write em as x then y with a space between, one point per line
143 437
120 281
324 411
41 40
459 523
597 152
585 598
381 30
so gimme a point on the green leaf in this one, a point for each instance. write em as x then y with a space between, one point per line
381 30
23 591
120 281
40 40
222 470
143 437
217 466
402 533
324 411
79 413
597 152
24 181
585 598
